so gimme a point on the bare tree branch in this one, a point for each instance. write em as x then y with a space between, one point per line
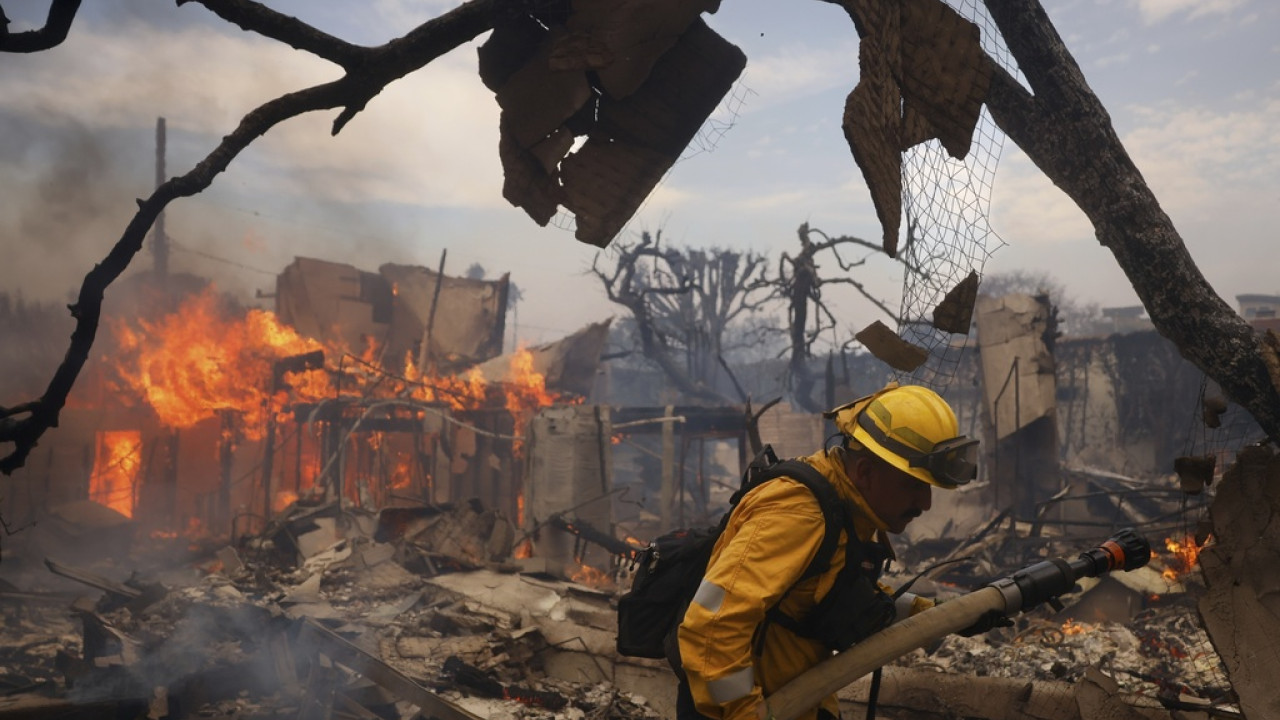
379 67
56 27
801 283
257 18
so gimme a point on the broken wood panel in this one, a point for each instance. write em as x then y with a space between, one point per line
945 74
538 98
568 365
629 37
334 303
872 113
466 318
530 180
639 138
955 313
889 347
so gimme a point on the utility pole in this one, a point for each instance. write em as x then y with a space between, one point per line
424 352
159 241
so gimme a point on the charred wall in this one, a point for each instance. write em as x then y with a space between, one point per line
1128 403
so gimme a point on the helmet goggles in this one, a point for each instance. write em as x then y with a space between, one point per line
952 462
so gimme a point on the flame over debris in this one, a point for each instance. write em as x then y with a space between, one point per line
212 359
205 357
1072 627
191 364
1185 556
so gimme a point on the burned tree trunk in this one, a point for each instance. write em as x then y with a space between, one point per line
1067 133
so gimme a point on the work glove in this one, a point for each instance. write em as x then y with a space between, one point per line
989 620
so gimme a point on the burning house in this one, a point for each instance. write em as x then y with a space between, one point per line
203 419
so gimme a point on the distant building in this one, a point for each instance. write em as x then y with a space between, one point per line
1262 311
1121 320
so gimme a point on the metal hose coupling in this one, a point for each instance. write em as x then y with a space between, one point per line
1046 580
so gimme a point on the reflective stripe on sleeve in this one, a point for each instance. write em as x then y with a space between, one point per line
732 687
902 606
709 596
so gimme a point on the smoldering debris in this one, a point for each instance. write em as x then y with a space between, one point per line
279 626
332 611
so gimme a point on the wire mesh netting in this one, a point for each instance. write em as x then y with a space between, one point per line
948 235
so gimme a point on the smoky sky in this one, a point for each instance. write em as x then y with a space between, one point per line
65 200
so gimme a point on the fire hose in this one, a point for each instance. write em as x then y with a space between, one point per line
1025 589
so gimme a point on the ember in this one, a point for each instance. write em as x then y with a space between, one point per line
1071 627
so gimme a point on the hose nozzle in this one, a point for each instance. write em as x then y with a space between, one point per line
1126 550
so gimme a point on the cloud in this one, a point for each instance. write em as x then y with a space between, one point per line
1111 60
430 137
1195 156
1028 209
1195 159
1155 11
796 71
1213 171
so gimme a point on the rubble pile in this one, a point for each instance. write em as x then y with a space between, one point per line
331 611
1162 653
348 631
1138 632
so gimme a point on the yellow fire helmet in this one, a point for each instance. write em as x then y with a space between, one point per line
913 429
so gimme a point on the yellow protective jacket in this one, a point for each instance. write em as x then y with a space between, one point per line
772 535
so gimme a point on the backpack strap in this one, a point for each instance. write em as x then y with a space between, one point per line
835 512
856 593
833 508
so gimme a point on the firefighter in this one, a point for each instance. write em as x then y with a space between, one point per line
754 624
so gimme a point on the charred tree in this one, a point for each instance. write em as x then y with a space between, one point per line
800 282
684 303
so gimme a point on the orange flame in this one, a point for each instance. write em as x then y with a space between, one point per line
283 499
592 577
1186 554
402 471
458 392
526 390
198 360
117 459
209 358
1071 627
524 550
204 358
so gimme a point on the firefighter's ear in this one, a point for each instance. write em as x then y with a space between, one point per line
858 467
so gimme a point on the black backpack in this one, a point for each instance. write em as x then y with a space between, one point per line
670 569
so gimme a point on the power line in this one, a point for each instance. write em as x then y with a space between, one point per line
178 246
